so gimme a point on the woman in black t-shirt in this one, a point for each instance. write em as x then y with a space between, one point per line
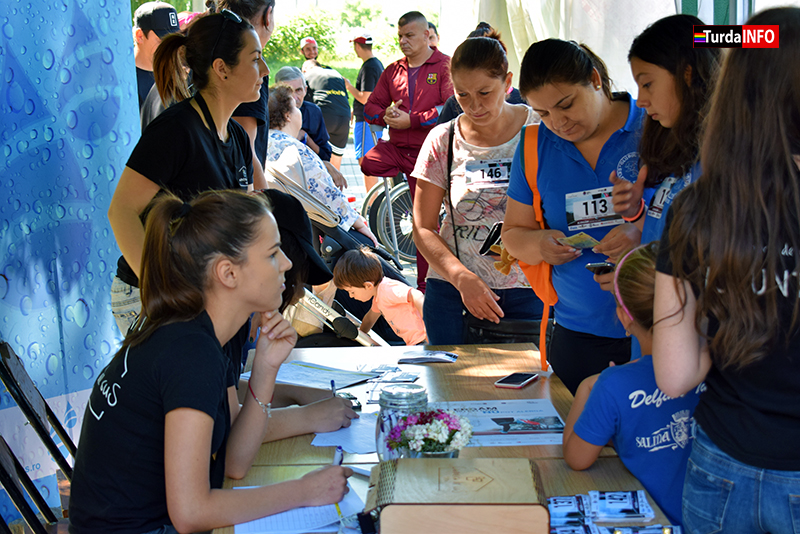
726 307
193 146
161 429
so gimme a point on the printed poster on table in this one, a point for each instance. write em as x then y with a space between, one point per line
498 423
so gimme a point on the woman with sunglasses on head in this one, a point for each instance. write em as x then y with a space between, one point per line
254 116
651 433
159 433
191 147
463 285
586 132
726 305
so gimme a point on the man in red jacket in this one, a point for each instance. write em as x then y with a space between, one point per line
409 95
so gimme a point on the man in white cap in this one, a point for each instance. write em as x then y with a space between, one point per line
308 47
152 21
367 78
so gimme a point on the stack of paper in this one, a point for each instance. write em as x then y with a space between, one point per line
317 376
613 506
358 438
309 519
428 356
577 514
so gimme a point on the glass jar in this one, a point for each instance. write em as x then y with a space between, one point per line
396 401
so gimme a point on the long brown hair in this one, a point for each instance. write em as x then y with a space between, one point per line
668 43
182 240
635 283
733 227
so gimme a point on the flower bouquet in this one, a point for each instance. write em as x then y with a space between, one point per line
433 432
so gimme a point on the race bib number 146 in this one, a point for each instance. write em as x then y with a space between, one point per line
591 209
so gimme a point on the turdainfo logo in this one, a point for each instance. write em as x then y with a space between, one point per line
748 36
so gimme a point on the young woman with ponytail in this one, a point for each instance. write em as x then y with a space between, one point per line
193 146
161 428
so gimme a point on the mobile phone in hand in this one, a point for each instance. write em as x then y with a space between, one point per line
602 267
516 380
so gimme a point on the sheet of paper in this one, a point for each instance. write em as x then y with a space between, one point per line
308 519
499 423
358 438
317 376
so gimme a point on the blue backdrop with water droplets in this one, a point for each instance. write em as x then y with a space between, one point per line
69 115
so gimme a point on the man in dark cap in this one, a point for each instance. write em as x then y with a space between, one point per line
152 21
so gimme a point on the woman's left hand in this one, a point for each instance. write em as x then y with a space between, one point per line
618 241
277 338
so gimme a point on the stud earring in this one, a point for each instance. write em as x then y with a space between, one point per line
597 87
226 77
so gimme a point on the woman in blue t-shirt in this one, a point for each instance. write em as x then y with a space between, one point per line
586 132
162 428
675 81
651 432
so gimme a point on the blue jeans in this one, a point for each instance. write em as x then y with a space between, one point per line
724 495
443 310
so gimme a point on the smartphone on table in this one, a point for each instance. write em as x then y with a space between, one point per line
602 267
516 380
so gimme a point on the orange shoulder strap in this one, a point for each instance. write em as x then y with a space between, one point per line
540 276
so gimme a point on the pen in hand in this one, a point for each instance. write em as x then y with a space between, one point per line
338 456
333 388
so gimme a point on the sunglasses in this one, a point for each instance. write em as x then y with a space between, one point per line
228 15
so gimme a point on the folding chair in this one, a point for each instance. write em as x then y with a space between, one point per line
14 478
33 405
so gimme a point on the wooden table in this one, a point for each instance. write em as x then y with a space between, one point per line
472 377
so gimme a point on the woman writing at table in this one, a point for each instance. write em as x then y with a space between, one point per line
484 136
586 132
157 437
726 301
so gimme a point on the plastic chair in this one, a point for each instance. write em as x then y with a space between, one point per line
36 410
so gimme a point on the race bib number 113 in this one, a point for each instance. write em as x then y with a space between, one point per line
591 209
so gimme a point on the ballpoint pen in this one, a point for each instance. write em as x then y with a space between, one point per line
338 456
333 388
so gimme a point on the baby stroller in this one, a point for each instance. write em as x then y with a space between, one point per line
344 313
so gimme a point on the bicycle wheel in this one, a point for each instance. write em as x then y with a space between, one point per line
402 212
369 200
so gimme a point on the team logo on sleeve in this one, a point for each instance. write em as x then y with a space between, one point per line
431 78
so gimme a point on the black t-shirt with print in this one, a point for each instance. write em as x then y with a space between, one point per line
179 153
118 484
753 414
328 91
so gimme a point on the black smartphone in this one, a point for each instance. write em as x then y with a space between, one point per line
491 239
516 380
602 267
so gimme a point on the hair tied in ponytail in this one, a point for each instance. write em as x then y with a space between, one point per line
178 216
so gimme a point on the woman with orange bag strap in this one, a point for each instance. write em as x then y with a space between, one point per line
586 132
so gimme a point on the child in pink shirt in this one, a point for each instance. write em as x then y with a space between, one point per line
359 273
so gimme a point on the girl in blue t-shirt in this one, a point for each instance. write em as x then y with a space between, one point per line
675 82
651 432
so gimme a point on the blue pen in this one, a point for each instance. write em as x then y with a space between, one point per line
333 388
338 456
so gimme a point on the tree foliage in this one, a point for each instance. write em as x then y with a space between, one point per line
284 45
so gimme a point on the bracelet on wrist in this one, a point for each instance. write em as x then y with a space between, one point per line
266 408
638 213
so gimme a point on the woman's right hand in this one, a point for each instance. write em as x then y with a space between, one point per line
330 414
277 338
478 298
326 485
627 196
554 252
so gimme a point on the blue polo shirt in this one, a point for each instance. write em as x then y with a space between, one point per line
582 306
